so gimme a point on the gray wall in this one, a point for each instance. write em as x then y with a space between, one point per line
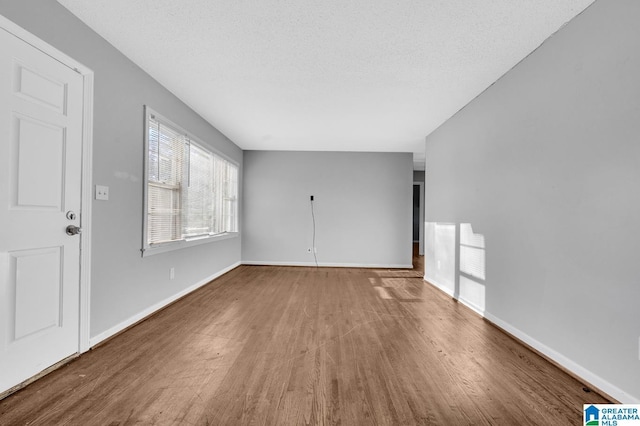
362 208
418 176
123 284
545 165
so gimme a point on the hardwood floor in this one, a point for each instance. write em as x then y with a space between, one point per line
291 345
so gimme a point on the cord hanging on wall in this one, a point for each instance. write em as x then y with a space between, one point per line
313 218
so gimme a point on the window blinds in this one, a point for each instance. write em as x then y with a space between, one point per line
191 192
166 159
199 211
225 201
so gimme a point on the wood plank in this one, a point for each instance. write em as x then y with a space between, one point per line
286 345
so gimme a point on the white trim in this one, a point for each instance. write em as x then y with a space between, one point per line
179 244
87 149
328 264
565 362
568 364
42 45
145 183
154 308
86 222
471 306
439 286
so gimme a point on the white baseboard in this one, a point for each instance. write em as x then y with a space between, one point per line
563 361
330 265
439 286
93 341
471 306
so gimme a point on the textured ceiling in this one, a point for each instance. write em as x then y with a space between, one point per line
360 75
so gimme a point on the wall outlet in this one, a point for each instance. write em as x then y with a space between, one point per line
315 249
102 192
172 273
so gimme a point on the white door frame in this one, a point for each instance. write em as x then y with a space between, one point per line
87 156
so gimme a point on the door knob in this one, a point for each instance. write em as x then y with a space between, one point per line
73 230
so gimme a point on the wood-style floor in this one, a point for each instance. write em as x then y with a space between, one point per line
291 346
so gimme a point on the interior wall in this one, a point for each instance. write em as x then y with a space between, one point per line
545 165
123 284
362 205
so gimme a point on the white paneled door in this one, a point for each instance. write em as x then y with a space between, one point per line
41 110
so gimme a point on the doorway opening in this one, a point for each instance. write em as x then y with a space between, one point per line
418 223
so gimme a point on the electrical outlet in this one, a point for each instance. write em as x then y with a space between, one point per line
315 249
172 273
102 193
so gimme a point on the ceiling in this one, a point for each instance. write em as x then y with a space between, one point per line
331 75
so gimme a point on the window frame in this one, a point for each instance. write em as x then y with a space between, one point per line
163 247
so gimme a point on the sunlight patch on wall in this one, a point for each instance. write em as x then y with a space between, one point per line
456 266
472 255
472 293
440 255
472 268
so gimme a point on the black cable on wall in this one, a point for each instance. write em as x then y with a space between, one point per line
313 218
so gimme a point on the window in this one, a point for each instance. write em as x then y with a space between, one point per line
191 192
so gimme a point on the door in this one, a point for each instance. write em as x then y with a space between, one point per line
40 192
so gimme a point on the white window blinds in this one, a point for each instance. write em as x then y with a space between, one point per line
191 191
166 158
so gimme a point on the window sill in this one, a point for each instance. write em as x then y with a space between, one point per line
189 242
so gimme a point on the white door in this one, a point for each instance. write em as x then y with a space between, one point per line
40 191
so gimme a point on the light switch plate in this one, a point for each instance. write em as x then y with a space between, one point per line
102 193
